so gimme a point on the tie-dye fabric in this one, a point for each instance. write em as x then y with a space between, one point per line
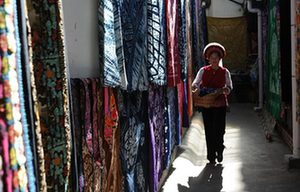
114 73
172 121
156 114
51 84
182 40
173 66
133 147
157 42
134 32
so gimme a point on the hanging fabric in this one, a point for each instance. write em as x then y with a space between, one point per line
156 114
42 185
24 122
49 67
189 58
12 148
173 66
77 110
113 72
172 121
157 42
134 153
134 34
112 139
182 40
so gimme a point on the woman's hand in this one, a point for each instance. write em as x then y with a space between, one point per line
194 88
226 90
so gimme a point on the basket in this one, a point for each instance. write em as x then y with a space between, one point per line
205 101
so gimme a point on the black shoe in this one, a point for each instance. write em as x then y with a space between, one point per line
220 157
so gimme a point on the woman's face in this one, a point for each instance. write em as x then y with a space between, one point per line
214 59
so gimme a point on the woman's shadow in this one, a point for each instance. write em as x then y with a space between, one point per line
210 179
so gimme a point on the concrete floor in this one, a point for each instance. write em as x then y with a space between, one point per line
251 163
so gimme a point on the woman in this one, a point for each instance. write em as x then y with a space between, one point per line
214 78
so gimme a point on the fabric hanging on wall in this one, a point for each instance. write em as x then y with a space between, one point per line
172 122
20 17
173 55
91 168
189 58
42 185
156 114
98 153
273 61
224 31
203 33
196 33
180 97
88 114
23 121
87 149
78 114
182 40
114 72
12 142
134 33
157 42
185 113
112 139
52 90
134 155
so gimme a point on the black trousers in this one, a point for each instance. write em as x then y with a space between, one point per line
214 120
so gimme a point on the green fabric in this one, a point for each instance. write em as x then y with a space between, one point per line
273 61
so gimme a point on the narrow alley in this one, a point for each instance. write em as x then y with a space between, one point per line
251 163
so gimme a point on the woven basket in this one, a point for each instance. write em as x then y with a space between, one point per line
205 101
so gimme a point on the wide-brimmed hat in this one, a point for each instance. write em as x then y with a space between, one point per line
214 47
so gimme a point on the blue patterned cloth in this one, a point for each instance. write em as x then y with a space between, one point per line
157 42
134 33
114 64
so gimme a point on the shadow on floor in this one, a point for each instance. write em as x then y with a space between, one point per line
210 179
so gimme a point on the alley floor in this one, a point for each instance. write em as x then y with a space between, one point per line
251 163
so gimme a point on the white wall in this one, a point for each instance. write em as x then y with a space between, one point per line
81 36
225 9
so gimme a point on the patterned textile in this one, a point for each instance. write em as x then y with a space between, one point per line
156 114
134 30
133 147
20 74
185 115
87 144
111 136
196 16
189 58
157 42
182 40
77 109
170 131
51 86
42 185
88 130
114 73
173 66
12 146
180 93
